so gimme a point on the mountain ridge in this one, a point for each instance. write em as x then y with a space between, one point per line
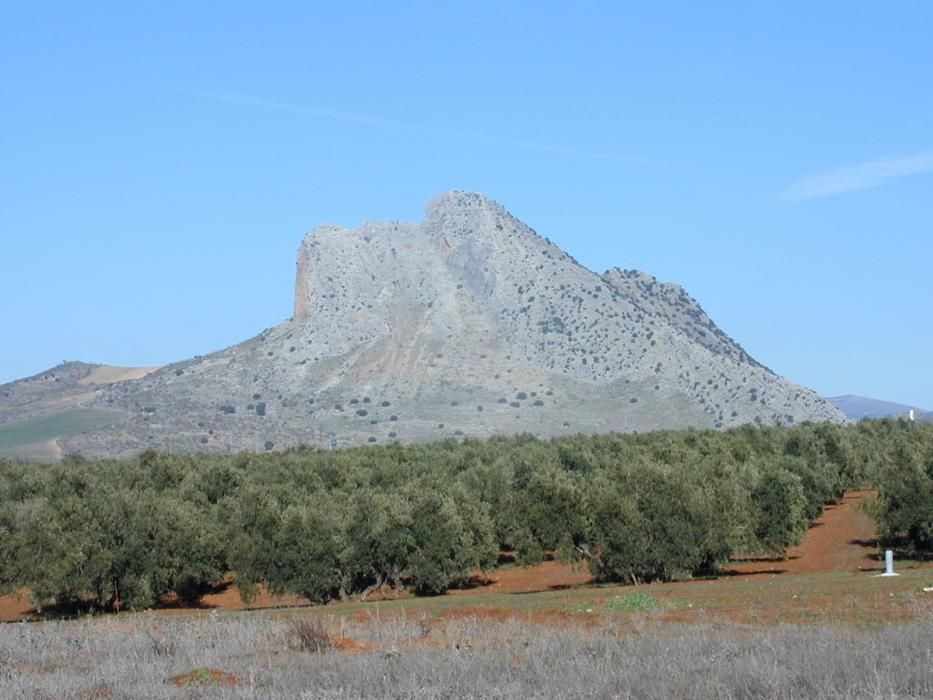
857 407
468 323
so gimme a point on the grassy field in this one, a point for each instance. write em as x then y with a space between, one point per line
861 600
303 655
835 634
25 439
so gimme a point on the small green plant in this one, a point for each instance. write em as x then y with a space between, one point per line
639 600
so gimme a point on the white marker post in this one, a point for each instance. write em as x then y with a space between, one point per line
889 564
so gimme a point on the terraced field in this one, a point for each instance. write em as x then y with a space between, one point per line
33 438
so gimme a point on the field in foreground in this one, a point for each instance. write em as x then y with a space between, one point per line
261 656
817 624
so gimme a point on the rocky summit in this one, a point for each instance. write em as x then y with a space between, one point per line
466 324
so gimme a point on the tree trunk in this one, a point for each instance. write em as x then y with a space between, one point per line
370 589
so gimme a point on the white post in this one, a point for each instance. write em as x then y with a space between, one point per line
889 563
911 414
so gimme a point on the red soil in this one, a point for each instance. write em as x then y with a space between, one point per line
841 539
15 606
227 597
546 576
346 645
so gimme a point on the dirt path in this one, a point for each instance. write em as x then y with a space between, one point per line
841 539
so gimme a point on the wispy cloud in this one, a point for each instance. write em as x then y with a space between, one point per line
250 101
863 176
376 121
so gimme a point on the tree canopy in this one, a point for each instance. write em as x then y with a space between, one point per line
324 525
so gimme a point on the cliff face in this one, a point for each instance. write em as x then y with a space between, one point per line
468 323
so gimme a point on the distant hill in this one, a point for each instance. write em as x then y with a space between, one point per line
859 407
466 324
36 412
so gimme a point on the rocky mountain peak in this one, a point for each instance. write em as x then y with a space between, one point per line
460 217
466 240
455 201
467 323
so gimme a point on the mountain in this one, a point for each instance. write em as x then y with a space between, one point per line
466 324
858 407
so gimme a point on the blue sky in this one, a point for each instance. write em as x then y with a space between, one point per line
160 162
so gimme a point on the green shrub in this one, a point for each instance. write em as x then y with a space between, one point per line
639 600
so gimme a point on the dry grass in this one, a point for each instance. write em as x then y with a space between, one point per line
309 635
247 655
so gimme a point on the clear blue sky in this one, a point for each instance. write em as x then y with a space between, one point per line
160 162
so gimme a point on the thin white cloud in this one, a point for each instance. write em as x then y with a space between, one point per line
863 176
250 101
369 120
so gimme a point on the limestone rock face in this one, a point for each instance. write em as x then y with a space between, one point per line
468 323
